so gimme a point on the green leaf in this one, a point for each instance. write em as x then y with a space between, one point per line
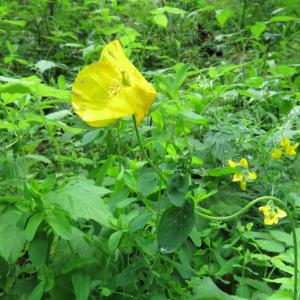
114 240
193 117
60 225
282 19
20 23
81 285
161 20
58 115
139 222
223 15
37 292
175 226
284 70
258 29
222 171
270 246
12 237
38 157
177 189
82 199
38 250
15 88
33 225
147 181
90 136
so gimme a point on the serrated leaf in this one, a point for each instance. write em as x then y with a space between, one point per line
60 225
82 199
12 237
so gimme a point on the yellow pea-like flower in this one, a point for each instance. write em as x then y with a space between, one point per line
110 89
242 177
272 214
277 153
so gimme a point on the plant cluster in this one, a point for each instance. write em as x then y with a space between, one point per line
181 183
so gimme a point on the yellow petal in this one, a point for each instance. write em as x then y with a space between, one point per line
277 153
113 88
252 176
280 213
231 163
285 142
290 150
244 163
243 184
237 177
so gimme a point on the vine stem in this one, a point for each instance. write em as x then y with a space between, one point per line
154 167
291 220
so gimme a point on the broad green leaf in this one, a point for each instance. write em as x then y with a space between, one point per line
81 198
206 289
81 285
114 240
90 136
60 225
139 222
284 70
38 249
12 237
37 292
175 226
258 29
193 117
161 20
177 188
270 246
147 181
223 15
15 88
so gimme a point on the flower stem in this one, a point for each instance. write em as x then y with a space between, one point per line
291 220
154 167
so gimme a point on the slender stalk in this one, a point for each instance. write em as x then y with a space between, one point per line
150 162
291 220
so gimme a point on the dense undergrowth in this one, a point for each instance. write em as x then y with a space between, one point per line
83 215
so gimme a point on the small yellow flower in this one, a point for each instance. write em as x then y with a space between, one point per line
110 89
272 214
287 148
242 177
277 153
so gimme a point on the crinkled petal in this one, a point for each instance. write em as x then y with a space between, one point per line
113 88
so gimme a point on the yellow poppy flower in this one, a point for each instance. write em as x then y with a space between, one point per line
110 89
277 153
272 214
291 150
242 177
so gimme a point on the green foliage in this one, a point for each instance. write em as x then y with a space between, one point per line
82 213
